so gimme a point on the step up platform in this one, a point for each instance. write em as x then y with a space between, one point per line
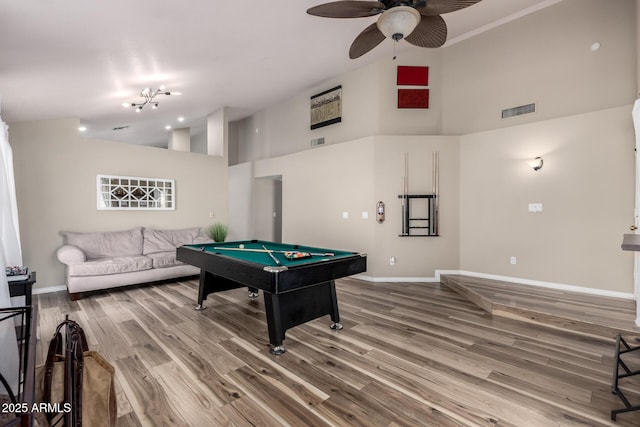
578 312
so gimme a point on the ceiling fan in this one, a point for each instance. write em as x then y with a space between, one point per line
417 21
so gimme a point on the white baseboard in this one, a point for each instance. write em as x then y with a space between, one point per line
551 285
50 289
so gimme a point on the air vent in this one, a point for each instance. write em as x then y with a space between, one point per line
121 127
518 111
317 141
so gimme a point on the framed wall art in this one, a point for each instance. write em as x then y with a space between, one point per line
413 98
135 193
412 76
326 108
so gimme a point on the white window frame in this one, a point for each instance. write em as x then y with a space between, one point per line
137 193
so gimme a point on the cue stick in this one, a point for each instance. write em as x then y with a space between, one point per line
269 250
436 186
405 194
273 257
403 203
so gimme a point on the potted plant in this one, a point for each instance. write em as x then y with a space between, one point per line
218 232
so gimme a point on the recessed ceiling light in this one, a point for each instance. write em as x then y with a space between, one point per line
181 119
595 46
82 128
167 127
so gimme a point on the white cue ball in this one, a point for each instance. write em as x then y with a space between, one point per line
241 246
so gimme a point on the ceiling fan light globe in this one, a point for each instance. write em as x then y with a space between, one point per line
398 22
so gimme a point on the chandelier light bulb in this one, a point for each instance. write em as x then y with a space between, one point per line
149 96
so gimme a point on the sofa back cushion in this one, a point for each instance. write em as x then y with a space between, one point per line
167 240
106 244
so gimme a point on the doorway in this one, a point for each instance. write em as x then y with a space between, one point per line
267 208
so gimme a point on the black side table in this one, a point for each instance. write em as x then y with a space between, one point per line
23 287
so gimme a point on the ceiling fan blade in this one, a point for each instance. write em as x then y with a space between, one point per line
430 32
369 38
347 9
438 7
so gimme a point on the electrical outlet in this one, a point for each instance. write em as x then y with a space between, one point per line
513 260
535 207
392 260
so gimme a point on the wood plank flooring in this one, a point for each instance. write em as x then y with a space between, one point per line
409 355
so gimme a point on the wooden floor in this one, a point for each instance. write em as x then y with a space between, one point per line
409 355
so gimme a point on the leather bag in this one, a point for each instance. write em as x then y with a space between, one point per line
76 384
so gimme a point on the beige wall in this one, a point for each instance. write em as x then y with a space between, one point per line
637 48
56 188
544 57
369 97
586 187
320 184
416 257
240 201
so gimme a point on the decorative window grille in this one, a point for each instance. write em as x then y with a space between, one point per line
136 193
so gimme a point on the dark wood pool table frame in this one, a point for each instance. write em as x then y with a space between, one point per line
292 295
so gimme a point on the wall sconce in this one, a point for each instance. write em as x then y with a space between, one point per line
536 163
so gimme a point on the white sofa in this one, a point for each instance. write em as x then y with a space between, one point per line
104 260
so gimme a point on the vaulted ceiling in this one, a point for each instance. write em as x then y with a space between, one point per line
76 58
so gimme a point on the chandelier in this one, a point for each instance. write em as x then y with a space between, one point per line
149 98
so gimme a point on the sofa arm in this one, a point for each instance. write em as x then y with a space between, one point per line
69 254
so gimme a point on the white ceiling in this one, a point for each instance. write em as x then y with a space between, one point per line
79 58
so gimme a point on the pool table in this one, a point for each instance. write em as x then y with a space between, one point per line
298 282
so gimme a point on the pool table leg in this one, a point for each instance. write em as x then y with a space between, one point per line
274 322
335 314
201 290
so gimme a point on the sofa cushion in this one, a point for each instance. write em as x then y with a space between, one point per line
113 265
167 240
106 244
164 259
